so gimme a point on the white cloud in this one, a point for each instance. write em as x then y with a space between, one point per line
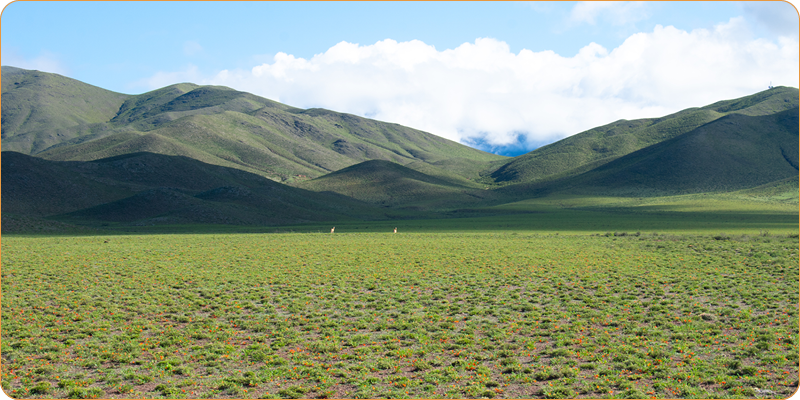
615 12
482 90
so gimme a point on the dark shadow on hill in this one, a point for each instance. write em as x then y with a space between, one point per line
147 189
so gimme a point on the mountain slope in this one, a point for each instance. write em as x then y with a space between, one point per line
40 109
278 143
148 111
600 145
210 154
36 187
732 153
147 188
218 125
392 185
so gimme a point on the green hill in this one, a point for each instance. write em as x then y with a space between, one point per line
732 153
392 185
41 109
584 151
190 154
150 110
216 125
36 187
147 188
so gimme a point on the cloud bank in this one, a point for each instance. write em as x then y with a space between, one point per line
481 92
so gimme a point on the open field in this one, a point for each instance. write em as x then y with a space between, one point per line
496 313
773 210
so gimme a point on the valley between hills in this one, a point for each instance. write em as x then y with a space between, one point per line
184 157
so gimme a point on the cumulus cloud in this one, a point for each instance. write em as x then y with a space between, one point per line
481 92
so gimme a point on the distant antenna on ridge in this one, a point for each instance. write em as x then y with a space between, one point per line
770 84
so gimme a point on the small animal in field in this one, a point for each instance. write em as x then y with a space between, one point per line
395 230
333 229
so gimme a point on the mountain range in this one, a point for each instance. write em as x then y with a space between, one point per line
189 154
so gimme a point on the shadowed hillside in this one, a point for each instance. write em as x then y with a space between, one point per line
147 188
36 187
389 184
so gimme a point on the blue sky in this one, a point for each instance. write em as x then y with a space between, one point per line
504 76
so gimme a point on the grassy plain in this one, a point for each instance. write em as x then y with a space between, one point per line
495 313
741 213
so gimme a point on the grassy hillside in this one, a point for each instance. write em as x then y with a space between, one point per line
784 191
188 155
282 144
41 109
147 188
392 185
152 109
36 187
732 153
216 125
590 149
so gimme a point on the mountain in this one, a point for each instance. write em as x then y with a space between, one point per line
36 187
392 185
735 152
40 109
213 124
593 148
190 154
148 188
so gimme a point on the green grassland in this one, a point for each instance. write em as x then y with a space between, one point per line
564 296
503 314
671 217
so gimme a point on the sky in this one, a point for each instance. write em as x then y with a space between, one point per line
505 77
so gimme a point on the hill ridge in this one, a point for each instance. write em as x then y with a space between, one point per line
224 152
608 142
224 126
732 153
39 109
390 184
150 188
